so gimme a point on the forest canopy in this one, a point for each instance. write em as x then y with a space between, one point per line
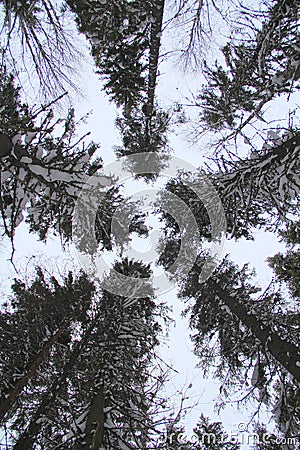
81 355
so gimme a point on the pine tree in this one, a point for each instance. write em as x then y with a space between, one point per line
79 370
141 134
260 67
206 435
265 182
100 378
127 333
212 436
54 397
119 36
41 173
261 190
41 319
125 40
239 333
239 221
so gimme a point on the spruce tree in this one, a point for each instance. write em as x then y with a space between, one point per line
117 369
42 171
251 341
206 435
97 385
259 68
119 36
125 42
39 320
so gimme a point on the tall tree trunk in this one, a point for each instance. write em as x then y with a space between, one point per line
94 430
155 38
286 353
26 440
12 396
156 30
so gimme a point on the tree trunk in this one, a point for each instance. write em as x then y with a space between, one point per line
26 440
94 430
5 145
12 396
158 12
155 35
286 353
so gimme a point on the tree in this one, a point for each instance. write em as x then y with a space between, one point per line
262 67
239 222
143 135
125 45
39 36
128 334
286 267
248 187
119 36
238 333
54 395
100 379
42 317
230 287
206 435
265 181
40 167
212 436
125 40
87 376
261 190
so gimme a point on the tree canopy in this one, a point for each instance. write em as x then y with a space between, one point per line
80 359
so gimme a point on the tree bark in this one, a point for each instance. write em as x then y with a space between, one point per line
94 431
155 35
5 145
